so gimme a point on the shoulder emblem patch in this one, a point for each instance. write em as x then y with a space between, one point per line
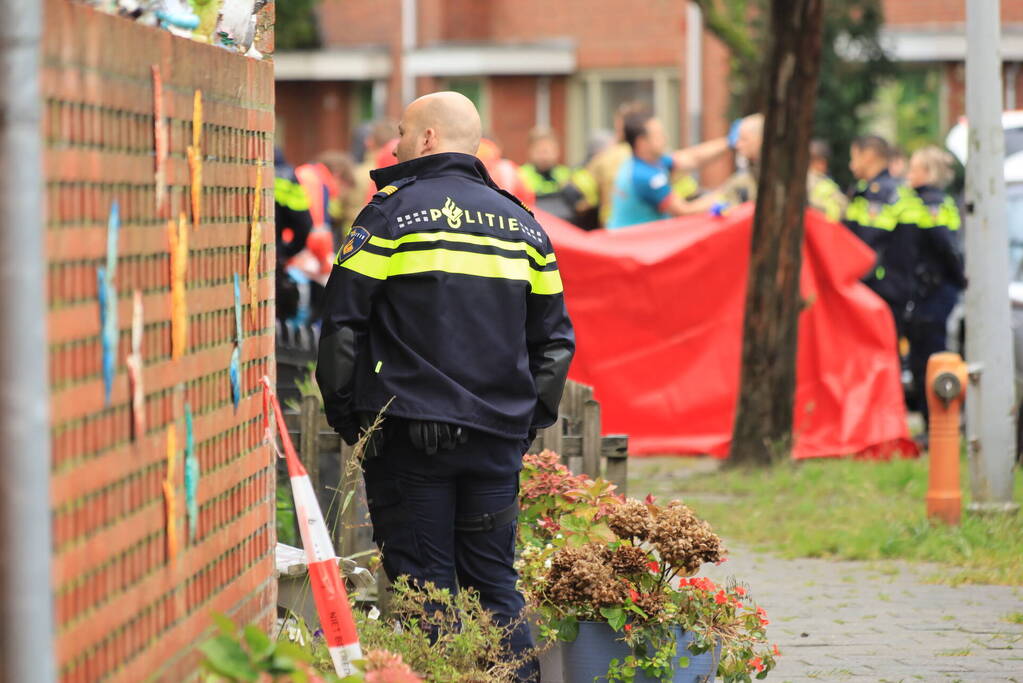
356 240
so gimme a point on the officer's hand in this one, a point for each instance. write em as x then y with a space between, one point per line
349 431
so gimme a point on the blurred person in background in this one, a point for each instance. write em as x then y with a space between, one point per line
327 181
897 164
883 213
643 190
603 168
293 223
504 172
374 137
582 194
938 275
823 193
543 173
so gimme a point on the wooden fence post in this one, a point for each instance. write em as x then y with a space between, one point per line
616 466
591 438
309 438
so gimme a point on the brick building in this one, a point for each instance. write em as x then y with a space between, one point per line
568 64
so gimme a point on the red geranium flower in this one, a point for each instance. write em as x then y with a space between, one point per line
756 664
740 590
654 567
628 627
774 649
720 598
633 595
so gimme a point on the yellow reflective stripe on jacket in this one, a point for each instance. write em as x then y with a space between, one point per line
560 176
366 263
464 238
858 211
907 209
946 215
456 262
290 194
479 265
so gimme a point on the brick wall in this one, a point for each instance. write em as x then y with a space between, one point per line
347 23
513 113
941 13
125 610
607 33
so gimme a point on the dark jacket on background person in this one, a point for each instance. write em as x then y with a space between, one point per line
939 259
445 296
884 214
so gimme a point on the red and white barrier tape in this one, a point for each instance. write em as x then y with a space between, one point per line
329 592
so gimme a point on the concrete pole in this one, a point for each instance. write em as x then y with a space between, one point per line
409 21
990 402
26 604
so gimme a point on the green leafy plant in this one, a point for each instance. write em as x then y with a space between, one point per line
630 564
248 654
441 636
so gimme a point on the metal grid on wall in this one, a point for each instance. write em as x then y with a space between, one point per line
125 609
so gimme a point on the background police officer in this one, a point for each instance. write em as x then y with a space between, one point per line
446 296
939 276
882 212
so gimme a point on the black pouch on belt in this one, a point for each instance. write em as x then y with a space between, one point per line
375 441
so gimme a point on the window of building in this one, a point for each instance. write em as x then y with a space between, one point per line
364 101
594 96
474 89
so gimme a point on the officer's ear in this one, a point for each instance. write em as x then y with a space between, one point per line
429 141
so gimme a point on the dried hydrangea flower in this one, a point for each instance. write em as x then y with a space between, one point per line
631 520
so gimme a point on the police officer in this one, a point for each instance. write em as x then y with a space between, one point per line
823 193
294 223
543 174
882 212
939 275
446 298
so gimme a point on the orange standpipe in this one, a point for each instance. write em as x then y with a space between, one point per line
946 388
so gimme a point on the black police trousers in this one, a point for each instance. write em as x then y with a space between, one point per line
927 336
420 505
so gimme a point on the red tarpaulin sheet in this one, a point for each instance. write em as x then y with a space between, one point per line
658 311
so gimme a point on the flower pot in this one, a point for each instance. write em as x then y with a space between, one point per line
588 656
551 666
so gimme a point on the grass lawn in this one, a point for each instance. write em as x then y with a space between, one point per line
843 508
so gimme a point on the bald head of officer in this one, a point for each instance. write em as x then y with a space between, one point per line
436 123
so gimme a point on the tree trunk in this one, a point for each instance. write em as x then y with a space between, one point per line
763 420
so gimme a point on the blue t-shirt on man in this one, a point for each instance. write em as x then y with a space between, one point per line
640 187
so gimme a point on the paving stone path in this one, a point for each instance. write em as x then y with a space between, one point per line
873 621
856 621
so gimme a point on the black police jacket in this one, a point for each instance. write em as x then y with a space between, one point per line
883 213
940 261
446 298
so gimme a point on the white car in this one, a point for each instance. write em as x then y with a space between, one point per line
956 141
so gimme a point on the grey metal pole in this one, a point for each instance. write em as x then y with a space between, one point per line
990 401
26 604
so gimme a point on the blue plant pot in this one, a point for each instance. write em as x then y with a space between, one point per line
586 659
